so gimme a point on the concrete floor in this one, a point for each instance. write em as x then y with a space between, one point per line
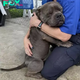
12 51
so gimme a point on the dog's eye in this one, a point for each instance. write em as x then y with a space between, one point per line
58 9
50 12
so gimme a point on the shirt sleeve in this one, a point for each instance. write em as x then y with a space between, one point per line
71 13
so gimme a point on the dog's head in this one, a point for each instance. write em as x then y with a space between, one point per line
51 14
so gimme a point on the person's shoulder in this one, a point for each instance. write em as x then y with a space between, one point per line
71 1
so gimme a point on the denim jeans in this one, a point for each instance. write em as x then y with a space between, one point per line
62 58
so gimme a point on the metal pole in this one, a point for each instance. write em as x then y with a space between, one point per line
29 13
24 12
36 3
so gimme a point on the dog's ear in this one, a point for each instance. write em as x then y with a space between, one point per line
39 7
37 11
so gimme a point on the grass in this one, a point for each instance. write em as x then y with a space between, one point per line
16 12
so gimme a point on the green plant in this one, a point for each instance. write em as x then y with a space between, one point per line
16 12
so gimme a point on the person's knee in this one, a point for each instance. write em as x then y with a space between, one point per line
45 74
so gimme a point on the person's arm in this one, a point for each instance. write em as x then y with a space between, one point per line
27 44
27 35
55 33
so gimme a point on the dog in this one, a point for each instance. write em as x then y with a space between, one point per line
51 14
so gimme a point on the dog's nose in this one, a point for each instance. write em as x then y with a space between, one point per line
58 16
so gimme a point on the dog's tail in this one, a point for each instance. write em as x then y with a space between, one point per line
15 68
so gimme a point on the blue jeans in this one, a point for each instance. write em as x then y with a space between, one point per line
61 59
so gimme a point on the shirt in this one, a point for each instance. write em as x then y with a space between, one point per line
44 1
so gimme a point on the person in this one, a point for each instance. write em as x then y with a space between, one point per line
61 58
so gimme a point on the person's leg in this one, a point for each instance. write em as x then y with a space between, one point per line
57 63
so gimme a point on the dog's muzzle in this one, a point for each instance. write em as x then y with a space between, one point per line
59 18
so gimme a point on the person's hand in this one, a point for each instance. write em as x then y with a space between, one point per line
34 21
27 46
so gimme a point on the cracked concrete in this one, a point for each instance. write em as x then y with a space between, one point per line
12 51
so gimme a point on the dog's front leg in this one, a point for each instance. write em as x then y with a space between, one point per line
57 42
33 75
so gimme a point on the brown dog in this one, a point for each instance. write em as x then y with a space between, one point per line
51 14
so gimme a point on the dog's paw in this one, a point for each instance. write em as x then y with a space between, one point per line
36 76
65 44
